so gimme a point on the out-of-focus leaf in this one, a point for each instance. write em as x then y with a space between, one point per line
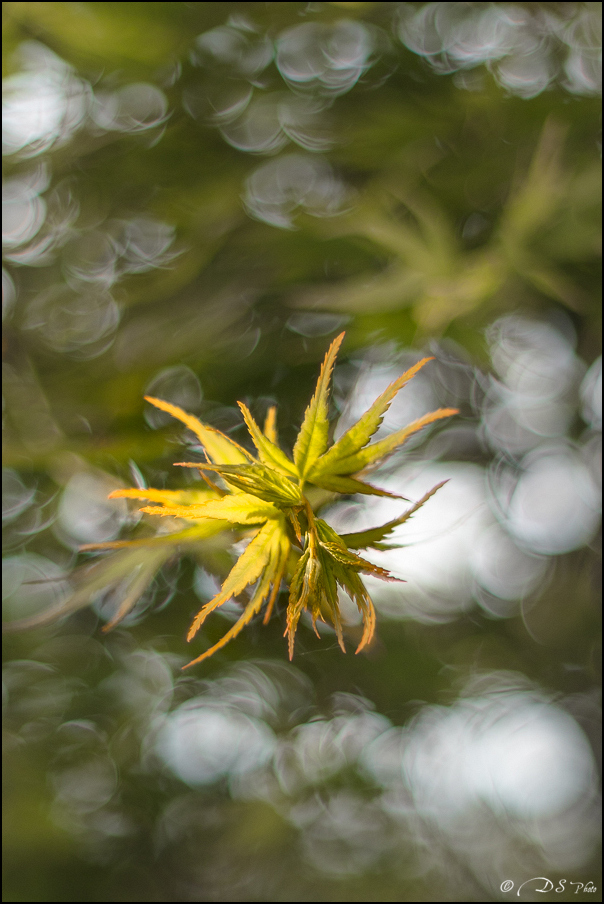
200 531
131 568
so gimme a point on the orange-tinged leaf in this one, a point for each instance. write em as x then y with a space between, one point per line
350 581
367 609
270 425
170 497
312 438
172 511
252 608
268 451
361 432
218 447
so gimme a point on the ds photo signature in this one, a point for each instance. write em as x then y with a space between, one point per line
548 885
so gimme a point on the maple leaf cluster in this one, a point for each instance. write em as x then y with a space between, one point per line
264 497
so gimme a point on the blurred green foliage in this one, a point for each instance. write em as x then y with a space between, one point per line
426 200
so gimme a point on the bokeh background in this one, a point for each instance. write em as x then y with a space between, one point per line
197 198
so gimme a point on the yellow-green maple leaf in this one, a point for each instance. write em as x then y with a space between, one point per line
265 498
312 438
